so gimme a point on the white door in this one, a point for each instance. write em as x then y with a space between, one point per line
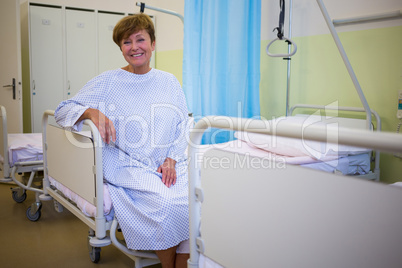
81 49
46 54
10 64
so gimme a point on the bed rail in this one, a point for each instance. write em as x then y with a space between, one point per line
105 232
386 142
99 223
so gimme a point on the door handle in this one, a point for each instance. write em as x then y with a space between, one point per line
13 86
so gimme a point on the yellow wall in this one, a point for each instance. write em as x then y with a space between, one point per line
318 76
172 62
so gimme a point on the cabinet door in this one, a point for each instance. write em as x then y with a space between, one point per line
80 49
110 56
46 54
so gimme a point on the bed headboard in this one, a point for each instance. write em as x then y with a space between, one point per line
71 160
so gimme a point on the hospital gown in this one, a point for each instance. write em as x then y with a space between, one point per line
150 116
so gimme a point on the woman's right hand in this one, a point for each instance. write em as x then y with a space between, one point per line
104 124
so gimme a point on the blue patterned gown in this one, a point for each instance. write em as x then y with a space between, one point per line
150 116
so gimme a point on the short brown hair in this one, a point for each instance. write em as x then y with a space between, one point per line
133 24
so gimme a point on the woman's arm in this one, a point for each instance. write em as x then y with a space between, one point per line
104 124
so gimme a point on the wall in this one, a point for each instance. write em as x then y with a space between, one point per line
169 29
318 75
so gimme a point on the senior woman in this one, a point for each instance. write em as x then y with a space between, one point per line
142 117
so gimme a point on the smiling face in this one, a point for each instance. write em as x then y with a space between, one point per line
137 51
135 36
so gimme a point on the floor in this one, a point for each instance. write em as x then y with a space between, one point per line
55 240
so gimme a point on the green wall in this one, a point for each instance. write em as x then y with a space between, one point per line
318 76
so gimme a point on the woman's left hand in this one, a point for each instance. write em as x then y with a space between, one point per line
168 171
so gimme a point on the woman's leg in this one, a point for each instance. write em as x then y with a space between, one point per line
181 260
167 257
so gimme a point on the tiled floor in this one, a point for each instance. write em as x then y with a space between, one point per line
56 240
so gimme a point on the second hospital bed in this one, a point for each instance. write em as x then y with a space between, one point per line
21 162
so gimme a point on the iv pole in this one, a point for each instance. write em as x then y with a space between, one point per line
290 45
289 58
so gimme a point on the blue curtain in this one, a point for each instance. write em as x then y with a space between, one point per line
221 60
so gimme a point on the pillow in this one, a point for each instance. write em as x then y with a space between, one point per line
298 147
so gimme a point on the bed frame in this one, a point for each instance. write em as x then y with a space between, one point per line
31 168
293 216
83 174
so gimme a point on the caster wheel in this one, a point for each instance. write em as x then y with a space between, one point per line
57 206
19 198
33 217
94 254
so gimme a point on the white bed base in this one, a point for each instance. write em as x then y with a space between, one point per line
75 161
33 168
292 217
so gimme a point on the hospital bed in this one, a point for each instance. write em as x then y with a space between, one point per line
73 177
247 213
22 154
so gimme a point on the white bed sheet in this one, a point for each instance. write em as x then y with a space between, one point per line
87 208
347 165
23 147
